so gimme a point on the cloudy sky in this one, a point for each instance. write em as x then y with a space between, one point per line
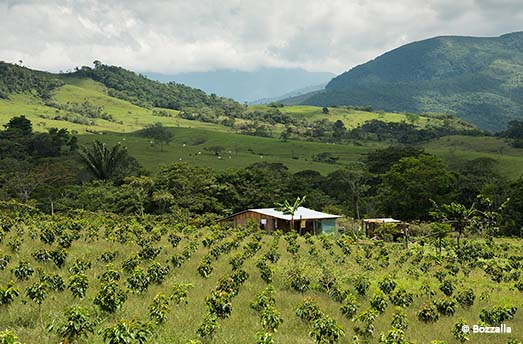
172 36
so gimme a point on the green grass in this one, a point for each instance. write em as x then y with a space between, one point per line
190 145
98 234
245 149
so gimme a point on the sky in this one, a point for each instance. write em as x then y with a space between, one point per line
172 36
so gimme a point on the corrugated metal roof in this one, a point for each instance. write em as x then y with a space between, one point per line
301 213
382 220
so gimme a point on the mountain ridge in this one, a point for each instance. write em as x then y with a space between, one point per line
479 79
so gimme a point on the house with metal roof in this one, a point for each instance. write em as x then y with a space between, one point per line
305 220
372 225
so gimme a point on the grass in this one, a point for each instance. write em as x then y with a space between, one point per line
101 233
192 145
245 150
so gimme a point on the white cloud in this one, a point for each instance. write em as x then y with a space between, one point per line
182 35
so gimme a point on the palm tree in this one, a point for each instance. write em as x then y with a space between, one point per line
102 161
290 209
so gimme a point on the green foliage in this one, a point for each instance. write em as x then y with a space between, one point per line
110 297
366 319
308 311
105 162
326 330
180 292
208 326
362 285
410 77
446 307
466 297
350 306
378 302
127 332
76 325
23 271
394 336
428 313
410 184
8 337
8 293
497 314
270 318
219 303
78 284
159 309
264 338
399 319
458 333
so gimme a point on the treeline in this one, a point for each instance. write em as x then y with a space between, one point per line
47 170
139 90
18 79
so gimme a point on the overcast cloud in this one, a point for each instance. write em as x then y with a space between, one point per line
199 35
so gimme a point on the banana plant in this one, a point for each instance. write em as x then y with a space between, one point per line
290 209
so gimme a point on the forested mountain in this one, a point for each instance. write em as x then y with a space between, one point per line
120 83
249 86
477 79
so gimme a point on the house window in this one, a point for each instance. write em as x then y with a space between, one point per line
263 223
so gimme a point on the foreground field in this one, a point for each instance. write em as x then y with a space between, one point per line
149 263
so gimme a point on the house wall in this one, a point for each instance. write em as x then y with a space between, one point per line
271 223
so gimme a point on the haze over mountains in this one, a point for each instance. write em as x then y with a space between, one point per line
251 86
479 79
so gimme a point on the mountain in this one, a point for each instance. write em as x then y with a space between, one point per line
479 79
296 93
248 86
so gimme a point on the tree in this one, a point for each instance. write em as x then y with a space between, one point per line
158 133
128 331
105 162
20 125
290 209
409 187
412 117
339 129
325 110
456 215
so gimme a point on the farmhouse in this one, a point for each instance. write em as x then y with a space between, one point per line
305 220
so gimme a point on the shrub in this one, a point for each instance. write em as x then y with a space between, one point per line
270 318
308 311
110 297
78 284
466 298
402 298
8 293
180 292
428 313
219 303
394 336
23 271
350 306
458 333
497 314
367 319
447 287
76 326
399 319
378 302
264 338
159 309
126 331
326 330
387 285
362 285
446 307
208 326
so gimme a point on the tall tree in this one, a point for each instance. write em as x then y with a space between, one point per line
104 162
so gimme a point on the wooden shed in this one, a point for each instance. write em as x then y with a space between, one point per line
305 220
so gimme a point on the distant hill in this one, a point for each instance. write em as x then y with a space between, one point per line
248 86
295 93
476 78
119 82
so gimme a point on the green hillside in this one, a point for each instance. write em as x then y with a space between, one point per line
477 79
93 110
